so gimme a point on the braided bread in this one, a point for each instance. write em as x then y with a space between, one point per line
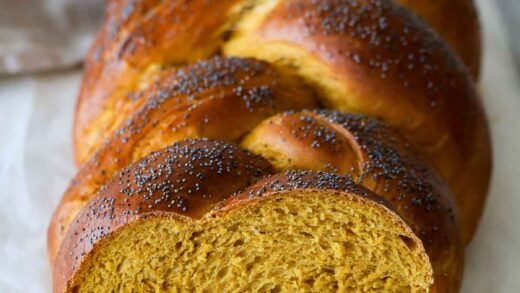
193 114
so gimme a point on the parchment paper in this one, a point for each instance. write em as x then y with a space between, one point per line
36 165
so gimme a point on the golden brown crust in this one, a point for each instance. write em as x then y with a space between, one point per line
392 66
381 160
137 34
187 179
221 98
457 23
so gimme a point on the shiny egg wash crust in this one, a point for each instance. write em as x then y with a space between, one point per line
152 79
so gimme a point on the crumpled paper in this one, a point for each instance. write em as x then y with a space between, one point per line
36 165
38 35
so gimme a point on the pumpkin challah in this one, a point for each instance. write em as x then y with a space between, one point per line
275 145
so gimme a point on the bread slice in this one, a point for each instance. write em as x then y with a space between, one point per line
296 231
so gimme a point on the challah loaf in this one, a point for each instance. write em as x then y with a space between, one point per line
150 230
137 218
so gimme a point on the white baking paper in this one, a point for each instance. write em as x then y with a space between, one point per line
36 165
